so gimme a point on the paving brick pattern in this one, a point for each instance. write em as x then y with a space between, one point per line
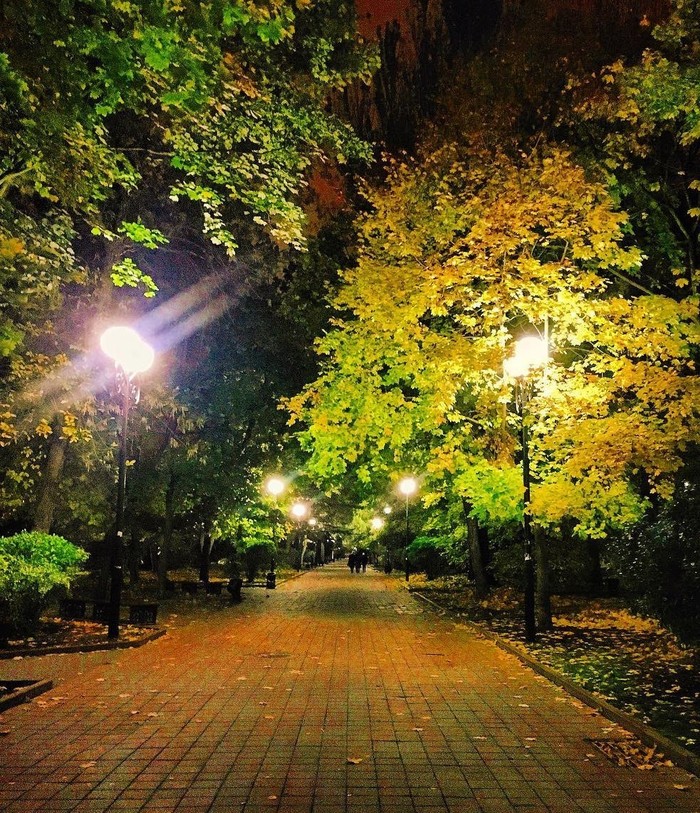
336 693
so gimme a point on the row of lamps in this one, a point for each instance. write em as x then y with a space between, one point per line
531 353
132 355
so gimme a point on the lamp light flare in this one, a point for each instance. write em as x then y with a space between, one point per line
387 509
127 349
300 510
313 522
377 523
275 486
532 349
408 486
515 367
530 352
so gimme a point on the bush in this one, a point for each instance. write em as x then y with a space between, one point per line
659 565
257 557
32 565
428 554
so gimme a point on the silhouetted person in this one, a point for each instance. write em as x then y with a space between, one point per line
363 561
352 562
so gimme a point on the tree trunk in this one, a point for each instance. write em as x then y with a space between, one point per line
135 556
475 552
168 524
543 604
205 545
104 558
48 490
596 570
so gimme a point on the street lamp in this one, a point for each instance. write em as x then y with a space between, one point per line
313 524
275 487
377 524
299 511
131 355
408 486
530 353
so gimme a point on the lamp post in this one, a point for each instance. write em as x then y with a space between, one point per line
408 486
530 352
299 511
274 486
131 355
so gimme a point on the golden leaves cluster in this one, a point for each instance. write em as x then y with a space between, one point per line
460 255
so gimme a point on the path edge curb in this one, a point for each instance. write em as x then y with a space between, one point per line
25 694
648 735
72 650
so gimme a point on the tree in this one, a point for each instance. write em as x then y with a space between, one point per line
639 121
459 255
124 126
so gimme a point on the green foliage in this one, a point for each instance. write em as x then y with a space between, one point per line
462 253
226 99
659 560
428 555
494 492
640 121
109 112
256 557
126 272
36 260
31 566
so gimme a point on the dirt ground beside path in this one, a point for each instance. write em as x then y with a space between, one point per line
336 692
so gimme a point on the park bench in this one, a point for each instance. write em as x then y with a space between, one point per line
75 609
72 609
213 588
143 613
100 612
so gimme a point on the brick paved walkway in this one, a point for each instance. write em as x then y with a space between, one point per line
335 693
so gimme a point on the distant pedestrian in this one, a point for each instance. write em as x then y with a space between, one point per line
363 560
352 562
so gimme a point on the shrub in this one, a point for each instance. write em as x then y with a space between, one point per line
32 565
256 557
658 561
428 554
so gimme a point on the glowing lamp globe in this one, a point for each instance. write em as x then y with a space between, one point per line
530 352
408 486
533 350
127 349
275 486
300 510
515 367
377 523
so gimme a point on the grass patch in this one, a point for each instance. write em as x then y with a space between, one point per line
633 662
